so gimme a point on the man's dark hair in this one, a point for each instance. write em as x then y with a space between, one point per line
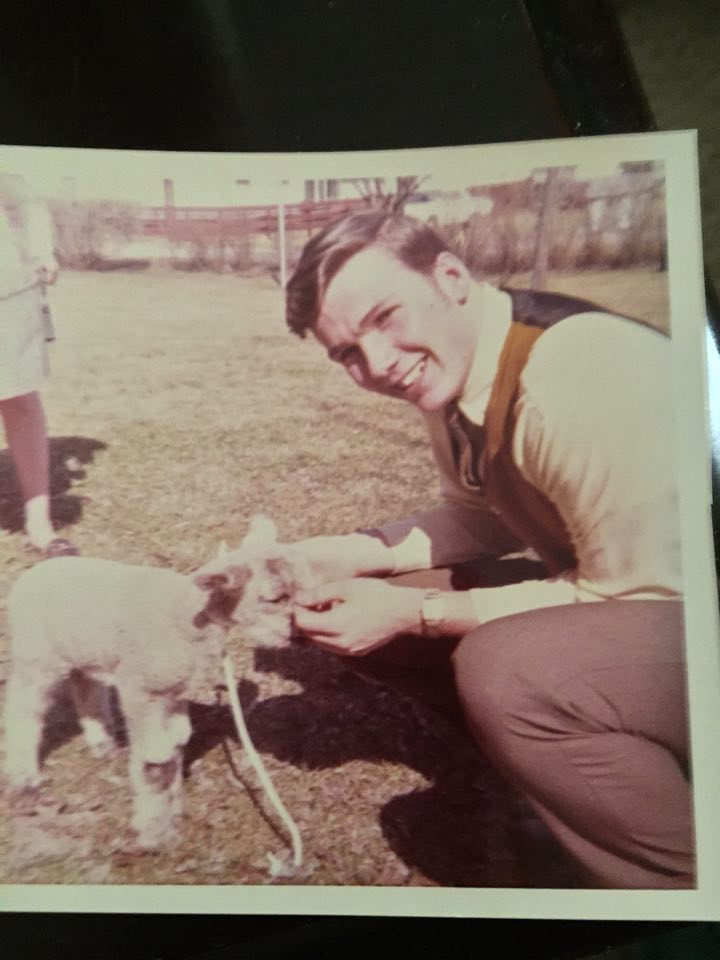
414 244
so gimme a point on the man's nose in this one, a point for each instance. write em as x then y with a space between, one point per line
380 358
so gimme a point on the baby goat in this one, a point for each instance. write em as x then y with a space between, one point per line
153 634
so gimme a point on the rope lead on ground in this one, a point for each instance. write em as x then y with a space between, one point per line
276 867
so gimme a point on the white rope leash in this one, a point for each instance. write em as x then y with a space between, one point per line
257 763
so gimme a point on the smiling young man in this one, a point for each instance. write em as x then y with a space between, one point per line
551 423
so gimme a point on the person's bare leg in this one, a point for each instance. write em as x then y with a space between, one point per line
24 420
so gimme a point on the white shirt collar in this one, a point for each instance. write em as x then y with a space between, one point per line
495 310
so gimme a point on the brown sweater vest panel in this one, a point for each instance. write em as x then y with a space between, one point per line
525 510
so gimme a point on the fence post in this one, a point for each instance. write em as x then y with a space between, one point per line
281 236
169 209
544 229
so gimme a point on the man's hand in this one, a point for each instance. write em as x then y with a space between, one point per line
353 617
330 559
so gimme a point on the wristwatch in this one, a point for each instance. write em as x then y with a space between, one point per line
431 613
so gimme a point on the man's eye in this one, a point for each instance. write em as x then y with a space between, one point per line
383 318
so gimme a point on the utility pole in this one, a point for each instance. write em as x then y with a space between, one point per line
282 252
543 245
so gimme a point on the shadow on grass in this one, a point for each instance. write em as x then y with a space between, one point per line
68 458
61 723
466 829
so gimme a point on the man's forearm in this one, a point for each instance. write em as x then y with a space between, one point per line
445 535
371 557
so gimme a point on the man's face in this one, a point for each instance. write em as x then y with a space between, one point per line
398 332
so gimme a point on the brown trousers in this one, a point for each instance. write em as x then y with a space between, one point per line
584 708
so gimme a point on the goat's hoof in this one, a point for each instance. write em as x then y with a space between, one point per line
155 842
155 837
59 547
131 848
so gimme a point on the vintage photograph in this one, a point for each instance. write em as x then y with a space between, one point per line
354 532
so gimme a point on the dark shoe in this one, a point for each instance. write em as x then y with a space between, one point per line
59 547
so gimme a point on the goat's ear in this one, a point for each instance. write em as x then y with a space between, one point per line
262 531
212 581
281 567
219 608
231 577
294 573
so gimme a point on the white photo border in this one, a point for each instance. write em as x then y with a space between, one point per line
678 152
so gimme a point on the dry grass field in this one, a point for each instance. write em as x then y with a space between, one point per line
178 407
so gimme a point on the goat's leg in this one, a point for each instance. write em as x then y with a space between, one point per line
179 722
26 702
93 705
157 729
153 796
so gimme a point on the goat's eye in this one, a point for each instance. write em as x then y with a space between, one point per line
281 598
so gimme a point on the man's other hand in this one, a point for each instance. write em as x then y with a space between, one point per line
353 617
330 559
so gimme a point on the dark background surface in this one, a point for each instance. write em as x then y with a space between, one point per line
245 75
258 76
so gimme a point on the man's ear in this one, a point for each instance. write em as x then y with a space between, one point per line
452 277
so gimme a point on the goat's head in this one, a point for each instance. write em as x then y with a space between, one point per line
253 586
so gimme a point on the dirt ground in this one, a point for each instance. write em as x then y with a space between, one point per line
178 407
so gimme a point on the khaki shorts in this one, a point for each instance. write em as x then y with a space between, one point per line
24 362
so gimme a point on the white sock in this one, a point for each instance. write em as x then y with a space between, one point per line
37 521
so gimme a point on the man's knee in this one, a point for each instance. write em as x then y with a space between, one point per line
508 673
490 684
550 673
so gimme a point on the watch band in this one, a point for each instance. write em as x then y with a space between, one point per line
431 613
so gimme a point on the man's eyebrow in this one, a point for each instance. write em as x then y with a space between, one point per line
376 308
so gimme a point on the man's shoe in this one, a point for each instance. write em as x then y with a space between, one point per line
59 547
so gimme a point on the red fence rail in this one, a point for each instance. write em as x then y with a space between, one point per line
186 222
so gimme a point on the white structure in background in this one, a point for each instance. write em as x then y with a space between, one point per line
614 199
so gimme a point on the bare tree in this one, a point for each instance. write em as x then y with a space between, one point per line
374 191
83 230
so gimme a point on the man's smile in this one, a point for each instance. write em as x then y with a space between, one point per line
412 375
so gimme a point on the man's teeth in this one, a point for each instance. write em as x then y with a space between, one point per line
412 375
